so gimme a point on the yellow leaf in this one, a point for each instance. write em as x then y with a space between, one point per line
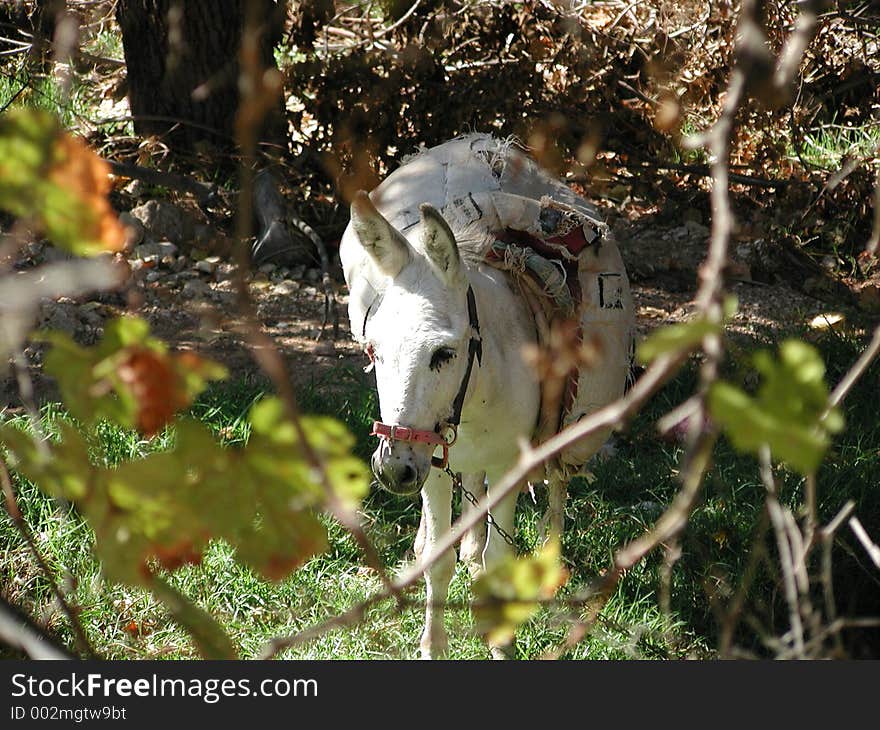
508 595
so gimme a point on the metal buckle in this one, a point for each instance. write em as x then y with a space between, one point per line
447 428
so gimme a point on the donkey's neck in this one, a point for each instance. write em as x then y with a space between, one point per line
503 398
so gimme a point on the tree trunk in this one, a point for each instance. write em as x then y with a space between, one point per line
182 62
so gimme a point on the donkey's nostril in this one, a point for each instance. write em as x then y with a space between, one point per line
396 475
407 476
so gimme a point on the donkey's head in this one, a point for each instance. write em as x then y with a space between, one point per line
421 338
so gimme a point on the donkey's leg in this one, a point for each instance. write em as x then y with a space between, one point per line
474 540
497 548
421 536
437 518
552 522
557 493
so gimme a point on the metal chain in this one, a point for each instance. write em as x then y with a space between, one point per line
471 497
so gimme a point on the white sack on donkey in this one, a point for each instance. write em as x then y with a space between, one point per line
461 260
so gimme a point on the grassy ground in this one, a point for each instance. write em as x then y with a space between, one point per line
627 494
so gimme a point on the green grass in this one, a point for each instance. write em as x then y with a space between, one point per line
691 128
44 92
826 147
105 44
627 494
77 109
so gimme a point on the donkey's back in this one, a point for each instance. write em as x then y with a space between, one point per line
456 176
480 184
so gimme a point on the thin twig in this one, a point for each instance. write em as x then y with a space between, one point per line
611 415
22 527
827 574
262 346
671 556
372 37
12 98
20 632
701 170
403 18
26 392
786 558
828 531
855 372
870 547
757 554
874 240
789 62
811 519
673 520
204 193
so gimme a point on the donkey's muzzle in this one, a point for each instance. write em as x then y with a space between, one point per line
396 473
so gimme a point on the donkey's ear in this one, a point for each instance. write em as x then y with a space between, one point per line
385 244
440 245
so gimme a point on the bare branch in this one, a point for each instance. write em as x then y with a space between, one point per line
203 192
757 555
856 371
611 415
20 524
796 45
827 574
20 632
870 547
832 527
675 517
787 555
874 240
700 170
256 94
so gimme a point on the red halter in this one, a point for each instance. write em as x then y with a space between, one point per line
404 433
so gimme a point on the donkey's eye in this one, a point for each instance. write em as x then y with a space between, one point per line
441 356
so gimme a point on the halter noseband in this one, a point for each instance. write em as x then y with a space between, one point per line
450 425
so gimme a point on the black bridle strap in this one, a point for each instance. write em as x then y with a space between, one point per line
449 427
475 350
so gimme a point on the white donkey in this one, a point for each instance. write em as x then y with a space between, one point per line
446 332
